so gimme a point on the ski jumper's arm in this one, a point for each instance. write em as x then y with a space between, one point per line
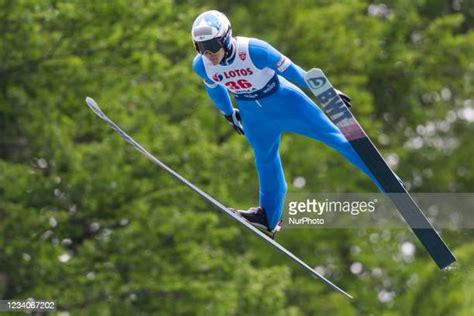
217 93
264 55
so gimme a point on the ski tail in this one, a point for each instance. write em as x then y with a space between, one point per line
95 107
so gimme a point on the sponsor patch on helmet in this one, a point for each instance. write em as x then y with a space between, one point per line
202 31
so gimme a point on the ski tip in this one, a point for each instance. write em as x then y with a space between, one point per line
95 107
315 69
90 101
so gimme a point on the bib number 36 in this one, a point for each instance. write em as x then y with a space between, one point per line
239 84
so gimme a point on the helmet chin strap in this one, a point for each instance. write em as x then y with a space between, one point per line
229 53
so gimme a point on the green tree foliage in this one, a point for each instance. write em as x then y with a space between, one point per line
90 223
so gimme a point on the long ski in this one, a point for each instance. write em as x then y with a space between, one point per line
94 107
342 117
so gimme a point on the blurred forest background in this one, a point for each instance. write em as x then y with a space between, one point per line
89 222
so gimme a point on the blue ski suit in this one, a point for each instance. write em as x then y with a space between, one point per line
261 81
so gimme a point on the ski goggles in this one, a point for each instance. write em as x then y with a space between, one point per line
212 45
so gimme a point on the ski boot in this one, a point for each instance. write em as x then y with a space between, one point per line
256 217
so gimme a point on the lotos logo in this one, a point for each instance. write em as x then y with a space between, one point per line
238 73
242 56
232 74
217 77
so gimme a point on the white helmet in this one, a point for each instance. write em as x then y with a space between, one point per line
211 31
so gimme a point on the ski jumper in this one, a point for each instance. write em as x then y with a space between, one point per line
259 78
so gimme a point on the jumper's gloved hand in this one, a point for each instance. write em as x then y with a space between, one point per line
236 122
345 98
